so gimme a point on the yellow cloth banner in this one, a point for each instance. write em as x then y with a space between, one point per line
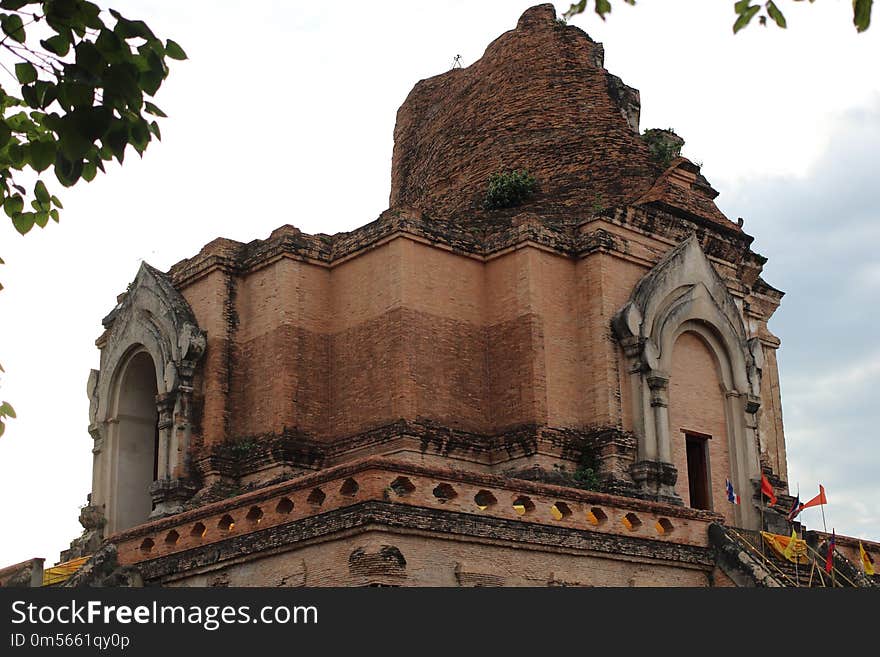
867 561
779 544
61 572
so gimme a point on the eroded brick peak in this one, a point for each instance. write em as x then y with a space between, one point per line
538 99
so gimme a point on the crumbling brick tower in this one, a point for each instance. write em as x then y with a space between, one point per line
553 392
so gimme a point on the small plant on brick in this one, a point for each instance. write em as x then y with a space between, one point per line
586 475
508 189
665 145
242 448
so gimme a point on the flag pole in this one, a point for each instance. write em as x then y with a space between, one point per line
831 549
760 492
824 526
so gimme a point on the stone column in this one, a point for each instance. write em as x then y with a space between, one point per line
165 408
174 485
642 421
654 473
658 382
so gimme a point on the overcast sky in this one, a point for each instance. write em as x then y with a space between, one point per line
284 114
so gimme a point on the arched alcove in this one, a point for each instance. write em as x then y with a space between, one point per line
683 338
141 404
698 423
136 437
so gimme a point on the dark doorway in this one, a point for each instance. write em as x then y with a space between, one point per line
698 471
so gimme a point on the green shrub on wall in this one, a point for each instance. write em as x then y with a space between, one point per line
509 188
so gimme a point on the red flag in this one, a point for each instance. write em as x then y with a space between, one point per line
816 501
829 558
767 489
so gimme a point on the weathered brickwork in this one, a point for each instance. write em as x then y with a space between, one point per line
455 396
334 336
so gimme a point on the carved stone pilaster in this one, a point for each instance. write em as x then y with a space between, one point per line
165 408
170 495
658 384
753 404
656 481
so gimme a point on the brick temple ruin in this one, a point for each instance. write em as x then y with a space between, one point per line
547 394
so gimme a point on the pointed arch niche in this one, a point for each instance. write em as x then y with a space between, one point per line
682 304
140 412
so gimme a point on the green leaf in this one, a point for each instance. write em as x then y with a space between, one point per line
89 14
90 170
46 93
603 7
56 202
775 14
75 94
862 14
173 50
58 44
41 193
13 205
12 5
24 221
154 128
16 154
22 123
30 96
11 25
6 409
41 154
116 140
139 132
5 133
109 44
54 214
149 108
38 96
745 17
88 58
576 8
90 122
741 5
128 29
72 142
121 86
150 81
67 171
25 72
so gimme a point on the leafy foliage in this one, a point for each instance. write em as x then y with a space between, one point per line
587 472
745 12
78 100
5 411
509 188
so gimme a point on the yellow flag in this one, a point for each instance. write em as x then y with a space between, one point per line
867 561
789 549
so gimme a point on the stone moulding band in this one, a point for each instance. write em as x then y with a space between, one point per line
379 479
